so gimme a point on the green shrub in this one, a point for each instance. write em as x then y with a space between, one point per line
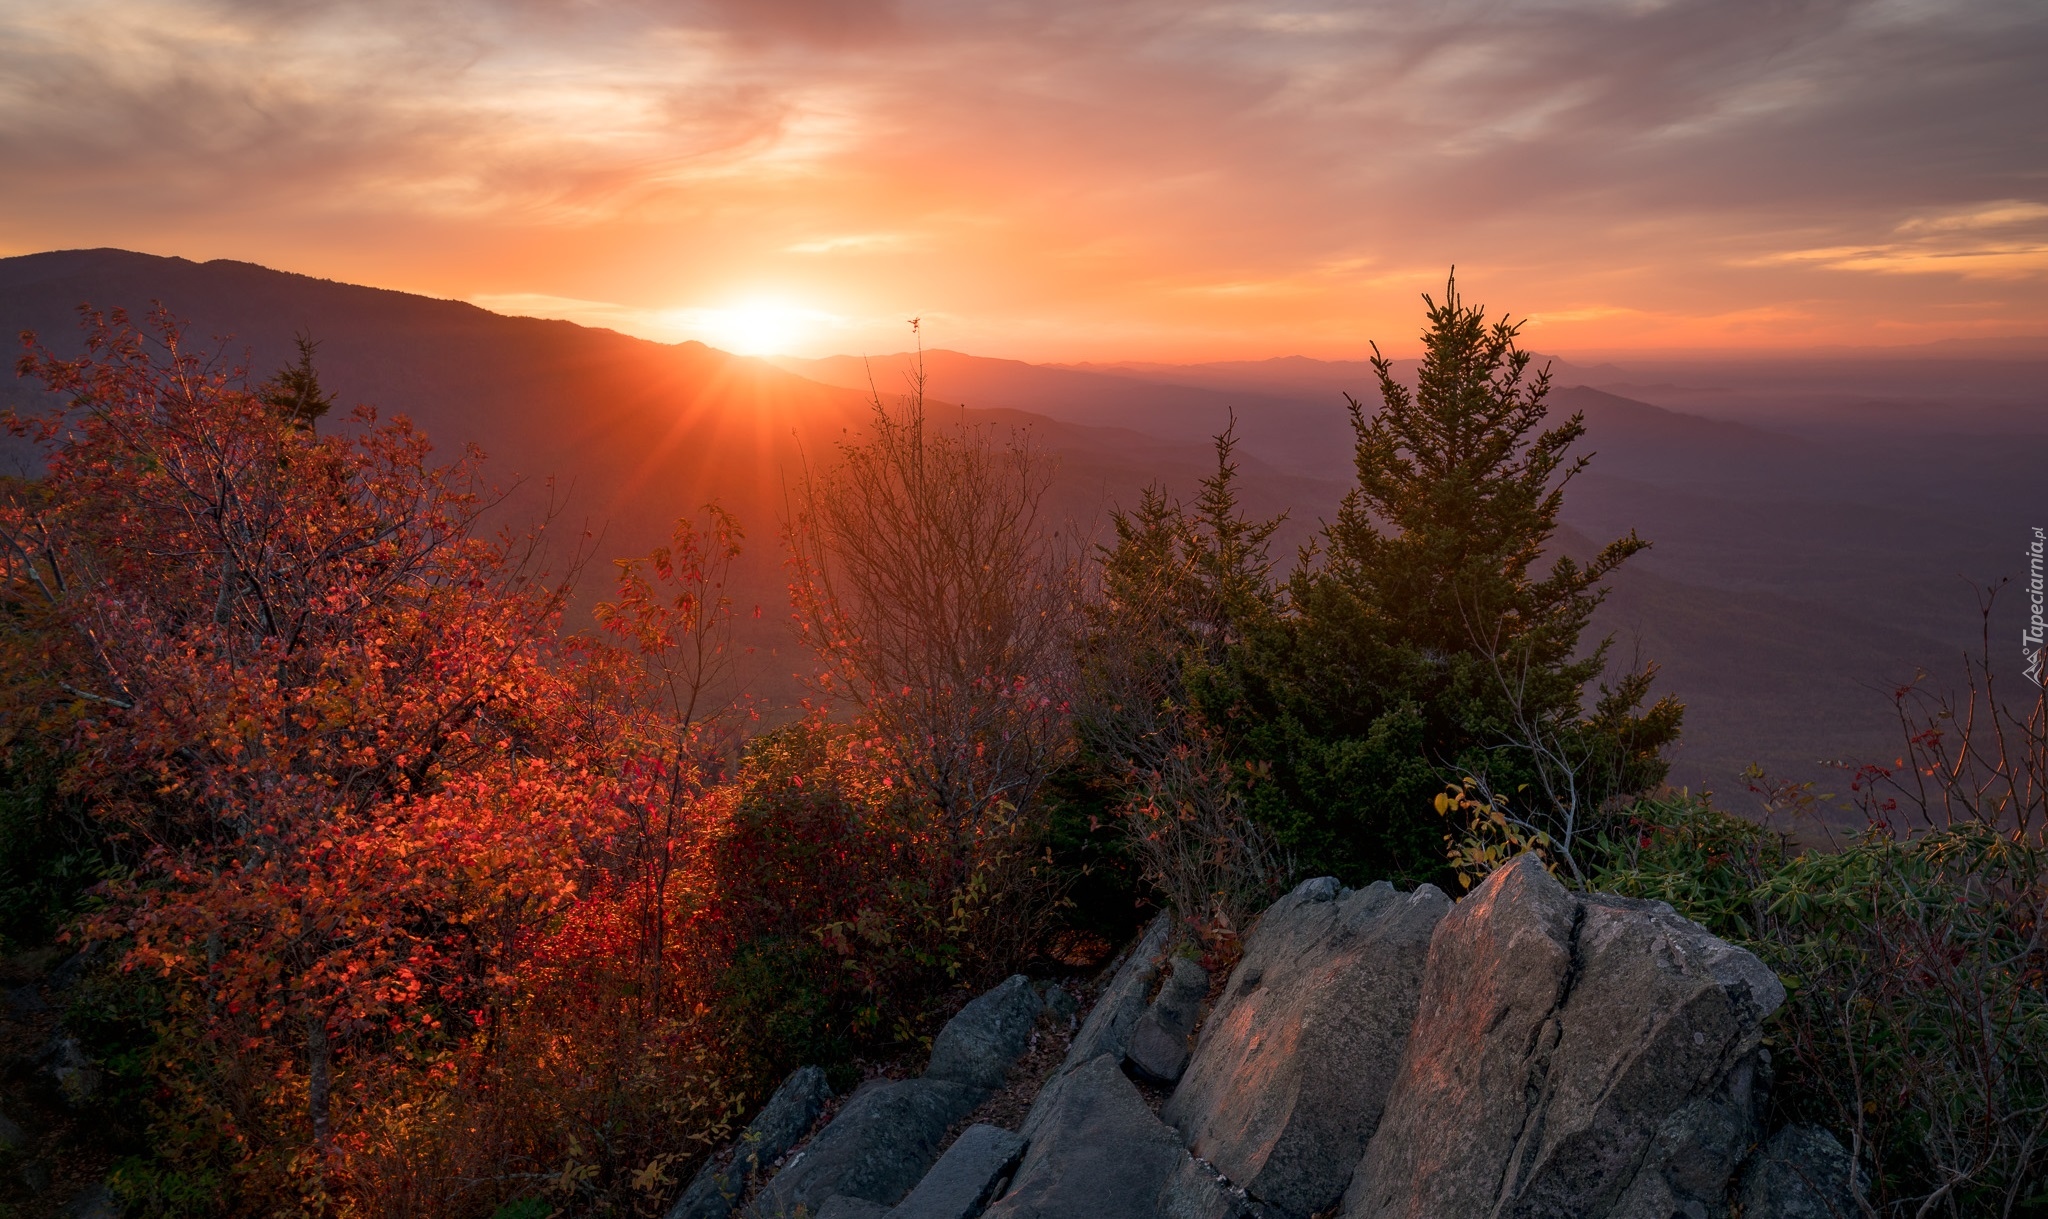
1916 1023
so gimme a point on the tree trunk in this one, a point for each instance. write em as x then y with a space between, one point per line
319 1083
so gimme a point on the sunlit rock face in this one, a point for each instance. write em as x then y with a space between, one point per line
1526 1052
1295 1062
1571 1056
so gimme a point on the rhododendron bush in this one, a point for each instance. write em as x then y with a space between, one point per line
429 904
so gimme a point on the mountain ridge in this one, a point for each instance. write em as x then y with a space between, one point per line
1775 595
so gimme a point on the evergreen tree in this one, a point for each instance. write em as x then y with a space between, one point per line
1423 647
1183 588
294 392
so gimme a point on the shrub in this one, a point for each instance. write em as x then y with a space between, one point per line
1916 1023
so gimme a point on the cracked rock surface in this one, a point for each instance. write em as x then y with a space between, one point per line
1296 1061
1526 1052
1589 1056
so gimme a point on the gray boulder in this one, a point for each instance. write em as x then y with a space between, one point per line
1115 1015
876 1148
978 1046
96 1202
1803 1172
973 1170
1159 1041
786 1118
1593 1056
1296 1061
839 1206
12 1136
1058 1002
1098 1151
64 1063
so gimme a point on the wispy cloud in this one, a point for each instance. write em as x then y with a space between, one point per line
1114 170
2005 239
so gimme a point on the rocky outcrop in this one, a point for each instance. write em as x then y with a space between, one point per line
1523 1052
1098 1150
1108 1028
978 1045
1570 1056
1160 1041
875 1149
882 1144
786 1118
1296 1060
974 1169
1803 1172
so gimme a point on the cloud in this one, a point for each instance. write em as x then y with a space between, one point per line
850 243
2004 214
1085 160
2004 239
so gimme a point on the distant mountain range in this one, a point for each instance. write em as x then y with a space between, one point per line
1815 522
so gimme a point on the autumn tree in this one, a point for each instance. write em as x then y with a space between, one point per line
314 707
931 581
673 611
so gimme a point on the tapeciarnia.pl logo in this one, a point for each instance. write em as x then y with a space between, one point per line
2031 639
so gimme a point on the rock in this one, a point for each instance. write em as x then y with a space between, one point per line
1099 1152
972 1171
1317 889
786 1118
1592 1056
1062 1005
1801 1173
875 1149
63 1062
839 1206
1108 1027
1197 1191
97 1202
788 1115
1296 1061
12 1136
978 1046
1159 1041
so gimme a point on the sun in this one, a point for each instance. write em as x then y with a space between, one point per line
756 328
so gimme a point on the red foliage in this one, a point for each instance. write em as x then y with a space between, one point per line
443 906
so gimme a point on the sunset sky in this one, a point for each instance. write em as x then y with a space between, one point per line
1164 179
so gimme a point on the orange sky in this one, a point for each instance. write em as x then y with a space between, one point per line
1066 181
